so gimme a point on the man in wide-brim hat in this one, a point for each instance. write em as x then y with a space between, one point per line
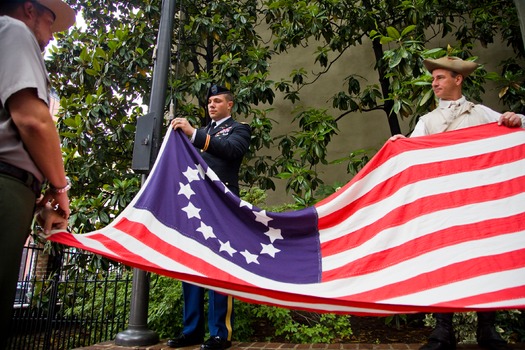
455 112
30 152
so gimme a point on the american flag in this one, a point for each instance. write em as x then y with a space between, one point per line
433 223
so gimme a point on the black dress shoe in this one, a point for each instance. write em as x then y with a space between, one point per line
184 340
216 343
494 344
435 344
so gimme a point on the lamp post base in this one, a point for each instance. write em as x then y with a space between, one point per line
136 337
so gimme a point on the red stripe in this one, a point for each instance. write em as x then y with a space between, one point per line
448 274
131 259
515 293
141 233
124 254
70 240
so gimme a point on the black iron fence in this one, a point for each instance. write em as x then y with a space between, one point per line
58 310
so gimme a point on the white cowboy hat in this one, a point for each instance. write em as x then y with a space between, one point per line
64 14
451 63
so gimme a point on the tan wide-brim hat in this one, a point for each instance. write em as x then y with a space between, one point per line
64 14
451 63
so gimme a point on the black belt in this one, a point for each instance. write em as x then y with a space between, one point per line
25 176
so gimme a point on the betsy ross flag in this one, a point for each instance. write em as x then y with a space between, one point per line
432 223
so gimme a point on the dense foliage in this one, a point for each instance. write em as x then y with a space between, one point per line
102 74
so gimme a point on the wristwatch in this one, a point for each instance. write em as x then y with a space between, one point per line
61 189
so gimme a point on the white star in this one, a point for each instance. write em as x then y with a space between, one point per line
250 258
273 234
207 231
269 249
226 247
192 211
245 204
191 174
262 217
186 190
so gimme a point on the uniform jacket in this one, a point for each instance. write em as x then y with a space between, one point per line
225 149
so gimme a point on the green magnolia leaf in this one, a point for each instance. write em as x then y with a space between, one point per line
427 96
91 72
385 40
408 29
393 33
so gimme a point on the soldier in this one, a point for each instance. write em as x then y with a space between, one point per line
223 144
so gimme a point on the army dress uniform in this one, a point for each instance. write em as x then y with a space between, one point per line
223 145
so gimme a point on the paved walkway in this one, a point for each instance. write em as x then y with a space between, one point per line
286 346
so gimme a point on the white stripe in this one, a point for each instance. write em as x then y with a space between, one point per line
463 289
514 303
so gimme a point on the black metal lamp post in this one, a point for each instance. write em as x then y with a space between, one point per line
146 148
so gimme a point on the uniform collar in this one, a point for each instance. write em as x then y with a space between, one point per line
223 120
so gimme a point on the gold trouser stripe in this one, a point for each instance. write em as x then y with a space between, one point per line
228 320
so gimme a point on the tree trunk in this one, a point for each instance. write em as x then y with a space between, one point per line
393 122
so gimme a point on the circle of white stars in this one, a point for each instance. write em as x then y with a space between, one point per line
207 231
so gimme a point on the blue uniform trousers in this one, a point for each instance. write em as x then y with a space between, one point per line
220 312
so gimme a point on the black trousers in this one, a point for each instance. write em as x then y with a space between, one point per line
444 331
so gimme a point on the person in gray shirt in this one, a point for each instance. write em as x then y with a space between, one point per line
29 142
